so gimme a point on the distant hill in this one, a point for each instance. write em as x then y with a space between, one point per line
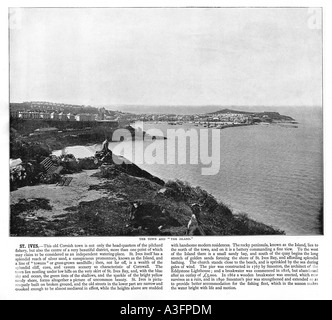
272 115
224 111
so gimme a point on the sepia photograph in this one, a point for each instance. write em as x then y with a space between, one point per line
168 122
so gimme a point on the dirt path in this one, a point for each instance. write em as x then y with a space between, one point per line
62 197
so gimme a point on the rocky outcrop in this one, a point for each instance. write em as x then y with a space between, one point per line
151 217
108 170
135 171
90 163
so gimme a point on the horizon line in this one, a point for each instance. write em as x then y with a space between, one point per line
175 105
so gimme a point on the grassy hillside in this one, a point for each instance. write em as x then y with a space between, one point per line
164 211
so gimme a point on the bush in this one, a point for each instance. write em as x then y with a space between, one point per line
28 151
246 226
186 192
183 190
208 203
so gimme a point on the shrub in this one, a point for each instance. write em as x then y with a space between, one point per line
246 226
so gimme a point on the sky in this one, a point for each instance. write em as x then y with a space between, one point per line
255 57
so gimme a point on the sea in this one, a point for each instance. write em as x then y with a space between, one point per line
272 173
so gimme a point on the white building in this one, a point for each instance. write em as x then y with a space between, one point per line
45 116
71 117
62 116
54 116
85 117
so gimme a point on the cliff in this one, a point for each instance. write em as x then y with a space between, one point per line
106 199
115 201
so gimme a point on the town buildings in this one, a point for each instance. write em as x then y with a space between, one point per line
41 110
33 115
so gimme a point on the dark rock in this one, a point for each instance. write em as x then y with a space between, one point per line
105 157
109 171
51 178
70 167
135 171
90 163
151 217
120 164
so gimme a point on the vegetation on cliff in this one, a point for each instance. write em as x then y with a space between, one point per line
163 210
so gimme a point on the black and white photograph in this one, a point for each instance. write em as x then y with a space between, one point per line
166 122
